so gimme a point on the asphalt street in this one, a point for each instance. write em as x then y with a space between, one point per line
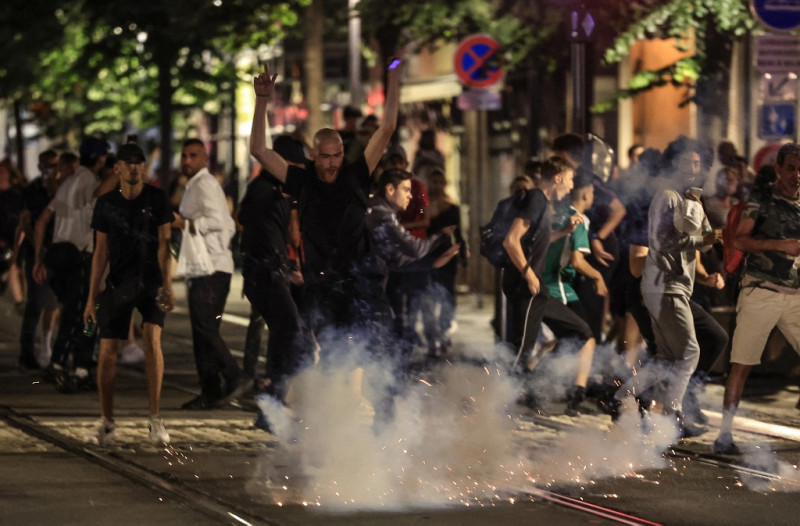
219 469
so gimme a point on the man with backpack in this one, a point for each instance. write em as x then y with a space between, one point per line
526 245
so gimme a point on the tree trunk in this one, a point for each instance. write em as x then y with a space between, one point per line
314 65
165 92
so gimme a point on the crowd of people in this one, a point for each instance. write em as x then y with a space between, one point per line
339 239
617 262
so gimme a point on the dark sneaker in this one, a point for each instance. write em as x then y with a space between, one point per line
724 445
610 406
689 429
28 363
85 383
233 390
199 403
698 417
50 373
262 423
533 403
575 396
65 382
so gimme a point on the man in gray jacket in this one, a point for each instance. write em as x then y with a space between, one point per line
677 229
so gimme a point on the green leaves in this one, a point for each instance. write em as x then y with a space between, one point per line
94 61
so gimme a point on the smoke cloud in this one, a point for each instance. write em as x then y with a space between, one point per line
453 435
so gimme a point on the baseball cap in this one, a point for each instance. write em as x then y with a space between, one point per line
130 153
289 148
93 148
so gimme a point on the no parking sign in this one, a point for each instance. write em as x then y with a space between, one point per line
477 61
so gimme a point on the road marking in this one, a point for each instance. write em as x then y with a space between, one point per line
755 426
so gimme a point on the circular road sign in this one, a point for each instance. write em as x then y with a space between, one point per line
779 15
476 61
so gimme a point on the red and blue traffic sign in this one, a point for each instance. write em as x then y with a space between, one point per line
477 62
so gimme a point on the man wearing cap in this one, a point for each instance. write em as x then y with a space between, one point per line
68 262
332 202
205 208
132 226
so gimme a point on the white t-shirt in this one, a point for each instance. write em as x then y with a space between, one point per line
73 205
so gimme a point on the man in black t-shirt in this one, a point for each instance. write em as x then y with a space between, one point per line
332 203
132 227
526 244
265 216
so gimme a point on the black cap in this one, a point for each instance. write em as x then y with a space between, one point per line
92 149
130 153
290 149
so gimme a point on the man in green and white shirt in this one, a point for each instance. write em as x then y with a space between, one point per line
569 244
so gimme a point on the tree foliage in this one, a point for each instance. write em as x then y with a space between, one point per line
20 41
95 64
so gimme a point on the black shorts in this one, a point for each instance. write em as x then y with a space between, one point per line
115 324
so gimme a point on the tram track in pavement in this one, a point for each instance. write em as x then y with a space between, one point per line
736 464
225 512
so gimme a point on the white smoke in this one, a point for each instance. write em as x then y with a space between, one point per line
455 436
764 472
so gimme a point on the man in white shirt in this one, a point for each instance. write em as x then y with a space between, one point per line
68 262
204 207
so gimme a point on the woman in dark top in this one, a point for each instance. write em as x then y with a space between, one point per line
10 208
444 212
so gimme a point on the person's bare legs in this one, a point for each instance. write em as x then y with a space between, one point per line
734 387
632 341
106 373
585 356
154 365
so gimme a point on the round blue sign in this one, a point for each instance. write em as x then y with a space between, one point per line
780 15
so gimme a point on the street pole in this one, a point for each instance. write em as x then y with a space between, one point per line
578 70
354 49
581 29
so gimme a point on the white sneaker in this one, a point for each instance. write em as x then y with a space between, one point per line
105 434
131 354
158 433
